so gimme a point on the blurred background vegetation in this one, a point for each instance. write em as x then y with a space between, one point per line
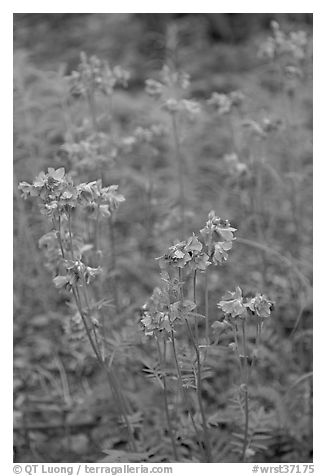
55 381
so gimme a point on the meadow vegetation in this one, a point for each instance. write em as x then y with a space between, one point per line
163 245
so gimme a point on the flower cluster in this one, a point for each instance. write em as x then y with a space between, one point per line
198 252
67 272
141 135
96 150
58 194
188 254
159 314
155 317
149 134
169 79
217 236
233 305
98 199
94 74
168 91
223 103
190 107
76 272
55 190
292 45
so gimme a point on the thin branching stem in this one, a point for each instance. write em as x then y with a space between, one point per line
94 343
166 403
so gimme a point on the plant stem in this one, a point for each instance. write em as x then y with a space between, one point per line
179 162
113 264
199 396
245 382
109 372
111 377
183 390
92 109
166 404
206 309
194 296
70 234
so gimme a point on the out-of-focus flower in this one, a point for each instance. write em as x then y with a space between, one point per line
292 45
94 75
171 105
234 166
190 106
221 102
154 88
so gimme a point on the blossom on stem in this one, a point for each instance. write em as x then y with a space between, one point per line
233 304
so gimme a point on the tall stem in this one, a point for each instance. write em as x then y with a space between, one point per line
92 108
245 386
206 309
196 319
113 264
94 343
179 161
199 396
166 404
184 390
70 234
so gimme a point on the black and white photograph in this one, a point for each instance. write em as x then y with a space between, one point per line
162 241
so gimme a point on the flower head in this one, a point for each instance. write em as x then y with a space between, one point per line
217 236
233 304
260 306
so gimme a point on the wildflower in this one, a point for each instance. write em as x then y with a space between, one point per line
192 107
188 254
155 317
96 150
235 167
176 255
181 309
171 105
199 262
94 74
76 272
221 102
220 251
154 88
54 189
291 46
173 78
260 306
218 236
97 198
233 346
233 304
